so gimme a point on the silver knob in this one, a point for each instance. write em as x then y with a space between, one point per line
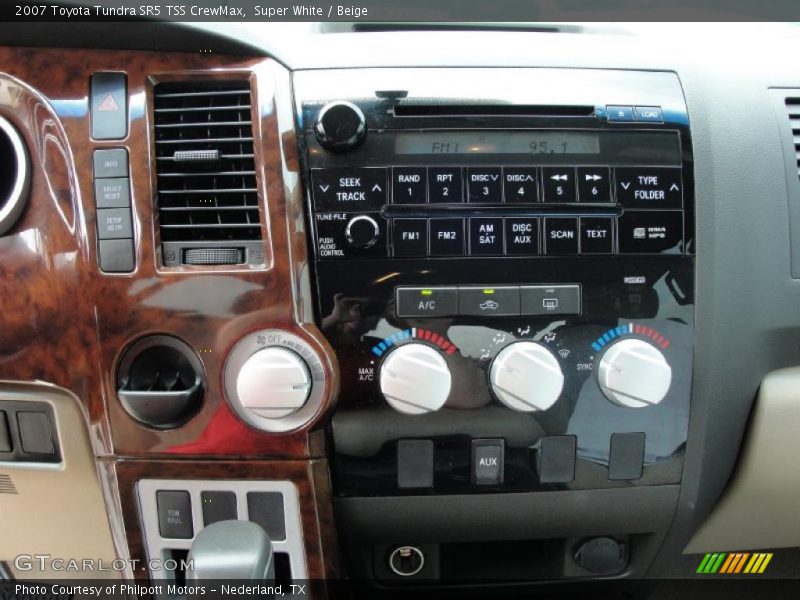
273 382
415 379
526 377
634 374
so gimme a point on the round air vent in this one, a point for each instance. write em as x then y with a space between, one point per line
14 175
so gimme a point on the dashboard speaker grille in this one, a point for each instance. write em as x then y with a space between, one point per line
205 163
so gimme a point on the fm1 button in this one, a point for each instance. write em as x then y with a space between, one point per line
559 184
427 302
597 235
486 236
593 184
410 237
484 185
487 462
444 184
561 236
520 185
522 236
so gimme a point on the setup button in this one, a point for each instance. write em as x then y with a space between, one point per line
427 302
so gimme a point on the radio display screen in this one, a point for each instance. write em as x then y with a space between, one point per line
533 142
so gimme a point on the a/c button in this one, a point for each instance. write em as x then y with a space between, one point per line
427 302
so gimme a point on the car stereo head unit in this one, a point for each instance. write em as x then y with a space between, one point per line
503 261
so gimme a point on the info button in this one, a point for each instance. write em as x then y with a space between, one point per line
427 302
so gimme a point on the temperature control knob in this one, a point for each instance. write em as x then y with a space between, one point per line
273 382
526 377
340 126
634 374
415 379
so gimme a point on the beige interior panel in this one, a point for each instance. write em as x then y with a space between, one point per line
759 509
55 510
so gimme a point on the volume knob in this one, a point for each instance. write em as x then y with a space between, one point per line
526 377
415 379
340 126
634 374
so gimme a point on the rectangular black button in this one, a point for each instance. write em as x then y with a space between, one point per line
409 185
561 235
484 184
488 301
266 509
550 300
174 514
218 506
559 184
110 163
414 464
651 232
427 302
5 434
447 237
626 456
114 223
488 457
444 184
557 459
486 236
410 237
109 98
520 184
112 193
332 239
594 184
649 187
349 188
35 433
522 235
116 256
597 235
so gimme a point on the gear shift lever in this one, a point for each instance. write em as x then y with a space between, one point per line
232 550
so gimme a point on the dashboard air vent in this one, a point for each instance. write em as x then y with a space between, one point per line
793 110
207 195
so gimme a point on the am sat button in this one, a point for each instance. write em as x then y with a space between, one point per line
649 187
427 302
488 301
486 236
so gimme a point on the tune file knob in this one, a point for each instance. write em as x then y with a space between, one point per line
634 374
362 232
526 377
415 379
340 126
274 382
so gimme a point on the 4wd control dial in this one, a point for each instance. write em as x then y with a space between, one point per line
634 374
415 379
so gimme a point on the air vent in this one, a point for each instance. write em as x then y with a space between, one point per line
793 110
14 176
207 188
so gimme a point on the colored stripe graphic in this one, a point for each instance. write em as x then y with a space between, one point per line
734 563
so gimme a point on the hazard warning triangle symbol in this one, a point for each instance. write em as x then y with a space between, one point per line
108 104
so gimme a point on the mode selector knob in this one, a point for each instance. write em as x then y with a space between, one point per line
634 374
415 379
526 377
340 126
273 382
362 232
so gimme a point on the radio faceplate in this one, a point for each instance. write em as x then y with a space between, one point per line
537 235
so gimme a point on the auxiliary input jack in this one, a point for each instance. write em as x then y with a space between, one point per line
406 561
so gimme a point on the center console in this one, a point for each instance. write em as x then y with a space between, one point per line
503 263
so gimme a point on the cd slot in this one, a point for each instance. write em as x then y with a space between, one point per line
491 110
541 208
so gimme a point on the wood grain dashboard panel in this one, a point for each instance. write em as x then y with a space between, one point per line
64 321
